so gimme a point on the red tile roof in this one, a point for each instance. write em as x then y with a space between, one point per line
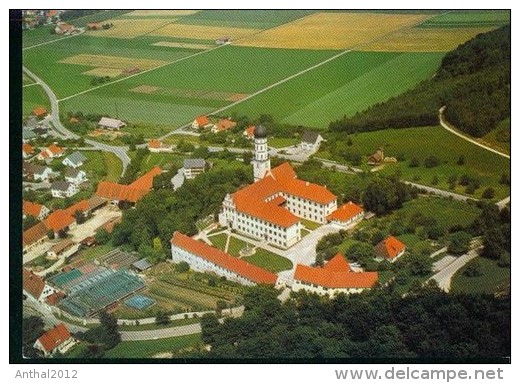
34 234
27 149
389 247
202 121
55 149
54 337
81 206
32 283
55 298
345 212
39 111
250 131
336 276
279 200
133 192
109 225
154 144
32 208
213 255
225 125
59 220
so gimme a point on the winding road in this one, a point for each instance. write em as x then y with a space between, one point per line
119 151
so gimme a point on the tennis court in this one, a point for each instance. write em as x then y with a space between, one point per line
139 302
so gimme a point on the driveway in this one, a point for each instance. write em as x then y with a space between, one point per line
444 276
89 227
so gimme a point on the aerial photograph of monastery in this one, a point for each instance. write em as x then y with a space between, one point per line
265 185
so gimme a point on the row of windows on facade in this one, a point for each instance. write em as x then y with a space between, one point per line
246 229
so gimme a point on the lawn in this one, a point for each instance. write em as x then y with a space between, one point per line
423 142
493 278
280 142
269 261
153 326
149 348
26 80
469 18
91 253
33 96
235 245
311 225
219 241
102 166
163 160
346 85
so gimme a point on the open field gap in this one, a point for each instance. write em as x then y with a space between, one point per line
50 42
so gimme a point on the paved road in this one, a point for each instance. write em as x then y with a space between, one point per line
444 276
502 204
168 332
36 185
54 117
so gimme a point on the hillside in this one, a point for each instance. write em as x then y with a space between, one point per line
473 81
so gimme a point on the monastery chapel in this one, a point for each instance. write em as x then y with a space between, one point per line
271 208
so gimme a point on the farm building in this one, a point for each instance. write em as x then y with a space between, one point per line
200 122
141 265
59 220
223 40
390 249
223 125
131 193
36 172
156 146
205 258
311 141
333 278
64 29
94 26
64 248
110 123
346 214
270 209
377 158
63 189
27 150
110 224
75 160
192 167
39 112
35 286
34 236
35 210
57 339
74 176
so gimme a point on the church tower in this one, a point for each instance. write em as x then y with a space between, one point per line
261 161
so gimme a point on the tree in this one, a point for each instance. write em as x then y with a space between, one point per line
29 222
110 335
505 179
488 193
247 157
382 195
459 243
414 162
209 324
182 267
50 234
220 305
102 236
162 318
461 161
79 216
32 329
431 162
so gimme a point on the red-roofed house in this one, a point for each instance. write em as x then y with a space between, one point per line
223 125
156 146
34 236
53 151
390 249
333 278
64 29
27 150
131 193
57 339
347 214
204 258
200 122
60 220
249 132
35 286
39 112
34 210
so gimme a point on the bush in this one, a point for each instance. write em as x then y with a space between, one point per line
461 160
414 163
162 318
473 270
182 267
431 162
488 193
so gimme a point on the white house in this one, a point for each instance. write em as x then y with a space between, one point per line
311 141
200 122
74 160
35 286
63 189
110 123
204 258
37 172
192 167
390 249
156 146
333 278
53 151
347 215
75 176
57 339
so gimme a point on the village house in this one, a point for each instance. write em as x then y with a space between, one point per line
156 146
39 112
346 214
63 189
377 158
205 258
74 176
75 160
223 40
390 249
334 278
56 340
35 286
28 135
64 29
111 123
94 26
64 248
311 141
59 221
192 167
27 151
35 210
223 125
53 151
249 132
200 122
271 208
34 236
36 172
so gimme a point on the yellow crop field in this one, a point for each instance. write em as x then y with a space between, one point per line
423 40
182 45
161 12
116 62
128 29
331 30
203 32
102 72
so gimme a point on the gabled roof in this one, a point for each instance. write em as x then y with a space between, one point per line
32 283
226 124
111 123
389 247
27 149
133 192
65 27
310 137
345 212
226 261
55 298
202 120
81 206
109 225
39 111
54 337
250 131
34 168
32 208
55 149
142 264
58 220
34 234
71 172
154 144
60 246
60 185
76 158
191 163
335 274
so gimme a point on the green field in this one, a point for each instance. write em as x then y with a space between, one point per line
269 261
469 18
34 96
492 279
102 166
423 142
345 85
149 348
163 160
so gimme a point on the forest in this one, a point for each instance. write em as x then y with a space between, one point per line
473 82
